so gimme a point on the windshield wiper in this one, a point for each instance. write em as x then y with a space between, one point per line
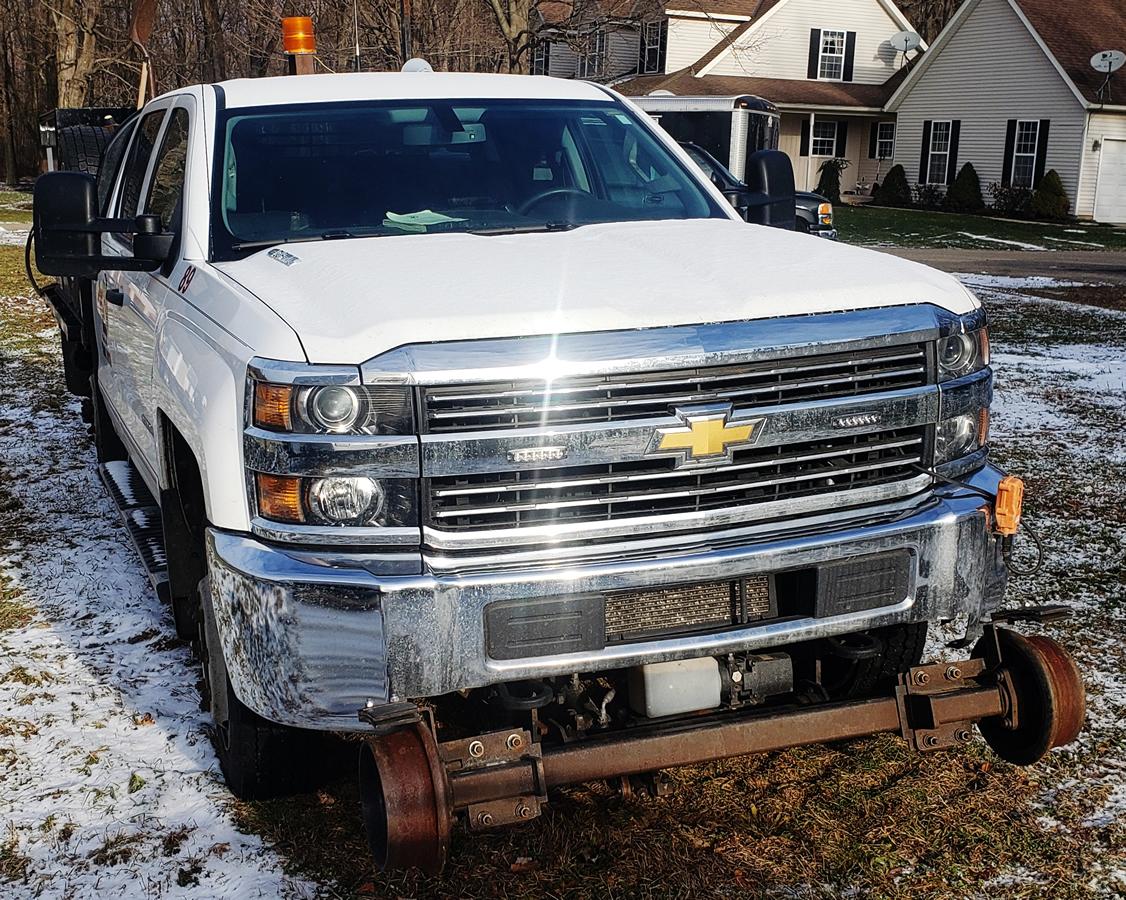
300 239
526 229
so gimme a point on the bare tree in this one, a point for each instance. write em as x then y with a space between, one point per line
513 17
75 47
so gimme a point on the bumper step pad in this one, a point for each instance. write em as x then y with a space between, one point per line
141 516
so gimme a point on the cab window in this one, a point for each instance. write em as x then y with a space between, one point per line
111 164
167 185
137 163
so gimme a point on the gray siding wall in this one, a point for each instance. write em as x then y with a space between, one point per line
1102 126
689 39
992 70
779 46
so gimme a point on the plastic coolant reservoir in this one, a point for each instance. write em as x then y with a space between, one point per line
671 688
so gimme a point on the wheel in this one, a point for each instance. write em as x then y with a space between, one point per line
1046 694
260 760
891 651
405 800
81 148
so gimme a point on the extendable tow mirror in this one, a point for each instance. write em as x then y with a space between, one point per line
68 230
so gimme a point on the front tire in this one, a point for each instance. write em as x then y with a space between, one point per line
895 650
260 760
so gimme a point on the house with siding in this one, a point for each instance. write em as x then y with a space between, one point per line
598 40
830 68
1009 87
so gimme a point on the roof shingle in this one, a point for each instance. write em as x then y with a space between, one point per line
1075 30
782 91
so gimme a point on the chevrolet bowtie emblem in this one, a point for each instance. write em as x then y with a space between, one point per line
707 436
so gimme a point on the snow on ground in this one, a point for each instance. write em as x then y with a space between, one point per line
12 236
1020 245
108 784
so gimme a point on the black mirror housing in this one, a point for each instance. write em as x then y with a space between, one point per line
68 231
64 211
770 179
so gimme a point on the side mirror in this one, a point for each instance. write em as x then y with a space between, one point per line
64 209
68 230
770 178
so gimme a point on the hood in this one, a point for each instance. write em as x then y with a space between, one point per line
351 300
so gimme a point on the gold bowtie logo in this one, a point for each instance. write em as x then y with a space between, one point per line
707 436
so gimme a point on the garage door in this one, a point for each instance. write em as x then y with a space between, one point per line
1110 195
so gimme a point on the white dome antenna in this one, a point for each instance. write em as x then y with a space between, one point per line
417 64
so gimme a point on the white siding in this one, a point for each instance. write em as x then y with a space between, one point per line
689 39
621 52
563 62
1101 127
779 47
990 71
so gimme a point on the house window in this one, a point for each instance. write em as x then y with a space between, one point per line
825 138
939 160
541 58
885 140
651 47
593 61
1024 153
832 60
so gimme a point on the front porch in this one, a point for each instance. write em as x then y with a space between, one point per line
809 136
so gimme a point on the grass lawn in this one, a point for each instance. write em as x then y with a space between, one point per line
914 228
15 207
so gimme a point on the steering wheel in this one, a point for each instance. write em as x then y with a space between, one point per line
536 199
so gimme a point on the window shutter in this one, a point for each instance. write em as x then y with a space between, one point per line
925 155
1041 152
842 139
873 140
814 52
1010 147
641 48
952 159
850 54
804 151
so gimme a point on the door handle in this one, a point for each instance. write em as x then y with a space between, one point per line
115 296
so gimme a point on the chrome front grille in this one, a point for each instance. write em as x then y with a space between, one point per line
478 407
514 499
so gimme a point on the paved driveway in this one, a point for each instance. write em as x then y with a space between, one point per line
1106 267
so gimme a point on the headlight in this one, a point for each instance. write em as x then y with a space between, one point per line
825 213
336 500
333 409
960 436
961 354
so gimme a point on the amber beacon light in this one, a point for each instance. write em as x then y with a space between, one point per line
298 36
1010 499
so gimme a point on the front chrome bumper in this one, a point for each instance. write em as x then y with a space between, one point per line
310 637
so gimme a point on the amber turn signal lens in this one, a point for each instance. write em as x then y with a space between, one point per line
983 427
297 35
1007 507
279 498
272 406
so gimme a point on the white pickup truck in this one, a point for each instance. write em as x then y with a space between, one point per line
460 413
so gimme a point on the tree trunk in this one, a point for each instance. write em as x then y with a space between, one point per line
214 44
513 18
74 22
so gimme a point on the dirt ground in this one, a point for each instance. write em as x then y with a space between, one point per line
108 784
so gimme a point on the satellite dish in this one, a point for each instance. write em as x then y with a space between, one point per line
1108 61
417 65
905 41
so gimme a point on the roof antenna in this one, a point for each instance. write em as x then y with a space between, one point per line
904 42
1107 62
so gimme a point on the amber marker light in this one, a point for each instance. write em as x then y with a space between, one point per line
1007 507
983 426
297 35
279 498
272 404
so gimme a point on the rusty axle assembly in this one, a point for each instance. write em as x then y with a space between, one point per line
1023 693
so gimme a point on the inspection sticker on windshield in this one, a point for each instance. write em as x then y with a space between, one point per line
286 259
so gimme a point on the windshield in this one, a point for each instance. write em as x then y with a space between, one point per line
326 171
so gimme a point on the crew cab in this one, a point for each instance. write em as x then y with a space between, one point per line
444 418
